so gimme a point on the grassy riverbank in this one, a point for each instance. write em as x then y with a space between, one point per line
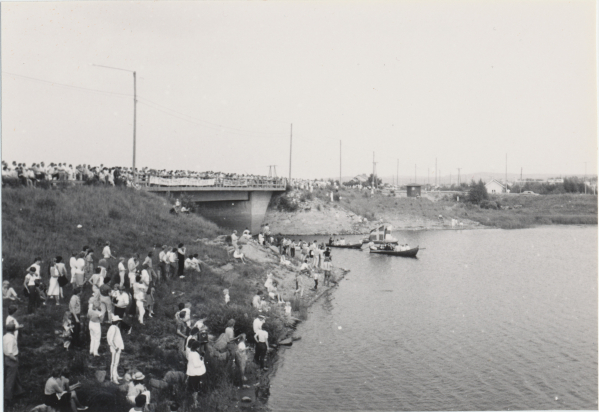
522 211
44 223
357 211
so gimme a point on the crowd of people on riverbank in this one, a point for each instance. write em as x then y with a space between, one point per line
15 174
120 291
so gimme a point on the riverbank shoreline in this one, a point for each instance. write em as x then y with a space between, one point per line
305 213
253 394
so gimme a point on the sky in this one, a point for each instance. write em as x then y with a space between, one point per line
219 84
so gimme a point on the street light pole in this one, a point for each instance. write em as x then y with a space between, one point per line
134 112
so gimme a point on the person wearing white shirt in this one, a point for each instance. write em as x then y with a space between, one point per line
257 300
115 341
162 262
95 315
106 252
172 262
11 320
37 265
73 265
139 294
258 322
79 271
261 338
196 369
132 266
122 271
12 381
31 287
145 276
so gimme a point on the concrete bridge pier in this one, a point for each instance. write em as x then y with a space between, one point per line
237 214
232 208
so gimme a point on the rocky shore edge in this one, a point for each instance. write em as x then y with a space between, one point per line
254 393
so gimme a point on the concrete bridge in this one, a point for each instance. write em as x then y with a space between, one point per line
235 206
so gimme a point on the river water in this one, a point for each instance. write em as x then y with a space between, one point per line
482 320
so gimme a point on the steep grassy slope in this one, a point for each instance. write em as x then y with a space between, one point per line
43 223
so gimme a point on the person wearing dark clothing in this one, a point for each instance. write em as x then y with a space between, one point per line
181 261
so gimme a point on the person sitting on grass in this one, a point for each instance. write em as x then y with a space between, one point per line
67 329
8 292
226 296
193 263
257 300
284 261
58 394
238 254
273 292
305 269
136 387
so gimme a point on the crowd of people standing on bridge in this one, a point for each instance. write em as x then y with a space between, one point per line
16 174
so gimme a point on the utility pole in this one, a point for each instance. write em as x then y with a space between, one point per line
506 173
415 175
428 176
459 181
339 164
520 180
436 171
373 171
585 178
134 112
134 124
272 170
397 174
449 178
290 150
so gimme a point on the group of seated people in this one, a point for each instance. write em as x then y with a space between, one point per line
390 247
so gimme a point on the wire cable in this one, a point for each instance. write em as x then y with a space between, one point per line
69 85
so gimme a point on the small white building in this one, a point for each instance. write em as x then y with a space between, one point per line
495 187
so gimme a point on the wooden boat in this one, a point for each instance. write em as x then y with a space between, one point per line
380 242
380 236
404 253
352 246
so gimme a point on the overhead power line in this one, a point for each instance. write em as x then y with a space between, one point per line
186 117
70 86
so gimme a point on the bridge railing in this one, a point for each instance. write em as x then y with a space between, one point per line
153 181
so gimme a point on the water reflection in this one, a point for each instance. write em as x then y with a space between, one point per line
483 320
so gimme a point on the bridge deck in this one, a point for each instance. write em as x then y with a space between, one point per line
253 188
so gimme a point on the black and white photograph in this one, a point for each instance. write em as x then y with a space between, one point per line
299 205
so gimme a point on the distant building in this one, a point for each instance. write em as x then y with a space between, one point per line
413 189
555 180
361 178
495 187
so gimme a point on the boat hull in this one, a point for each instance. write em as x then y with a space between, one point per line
381 242
354 246
403 253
